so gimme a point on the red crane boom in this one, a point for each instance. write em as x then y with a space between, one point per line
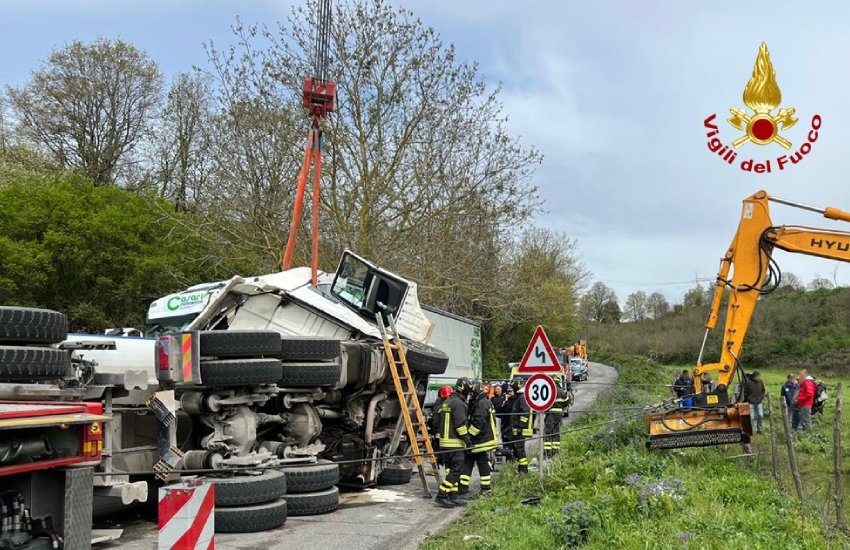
318 95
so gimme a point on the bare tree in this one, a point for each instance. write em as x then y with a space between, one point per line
637 306
89 105
419 168
183 157
791 281
820 283
658 305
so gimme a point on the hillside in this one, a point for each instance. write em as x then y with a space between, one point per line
791 329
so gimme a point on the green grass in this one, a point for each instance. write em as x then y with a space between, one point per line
814 449
607 491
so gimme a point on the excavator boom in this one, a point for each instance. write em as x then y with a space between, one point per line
708 417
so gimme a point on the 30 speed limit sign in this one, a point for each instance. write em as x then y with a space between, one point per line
540 392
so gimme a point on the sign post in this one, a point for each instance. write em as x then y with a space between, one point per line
540 394
541 428
540 390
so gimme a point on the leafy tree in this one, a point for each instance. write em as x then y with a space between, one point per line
637 306
611 312
545 277
596 304
658 305
89 105
696 297
100 254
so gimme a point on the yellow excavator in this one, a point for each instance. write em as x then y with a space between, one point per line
708 417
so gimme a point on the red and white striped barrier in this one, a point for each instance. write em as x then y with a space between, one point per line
186 516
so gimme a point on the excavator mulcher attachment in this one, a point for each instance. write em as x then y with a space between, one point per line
688 427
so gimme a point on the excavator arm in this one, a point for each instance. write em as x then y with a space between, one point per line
708 418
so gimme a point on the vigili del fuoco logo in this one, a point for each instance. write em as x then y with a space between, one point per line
760 125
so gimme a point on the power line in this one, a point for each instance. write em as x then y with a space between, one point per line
651 283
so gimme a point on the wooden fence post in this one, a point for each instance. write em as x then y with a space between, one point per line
792 454
774 459
838 495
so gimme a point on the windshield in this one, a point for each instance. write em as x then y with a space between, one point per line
157 328
349 284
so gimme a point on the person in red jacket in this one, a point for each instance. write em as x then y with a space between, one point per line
805 400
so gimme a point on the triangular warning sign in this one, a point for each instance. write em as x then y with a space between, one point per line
539 357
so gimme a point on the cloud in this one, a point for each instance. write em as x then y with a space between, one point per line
612 92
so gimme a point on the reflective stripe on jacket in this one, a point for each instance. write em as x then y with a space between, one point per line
561 402
482 425
452 423
523 419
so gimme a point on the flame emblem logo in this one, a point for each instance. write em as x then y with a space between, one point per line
762 95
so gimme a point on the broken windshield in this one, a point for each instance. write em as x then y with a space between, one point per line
350 282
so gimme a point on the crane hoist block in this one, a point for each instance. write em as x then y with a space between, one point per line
318 97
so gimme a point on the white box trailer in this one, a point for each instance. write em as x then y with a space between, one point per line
460 339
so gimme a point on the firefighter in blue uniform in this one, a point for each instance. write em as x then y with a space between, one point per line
482 432
453 436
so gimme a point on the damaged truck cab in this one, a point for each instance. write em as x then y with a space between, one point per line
333 396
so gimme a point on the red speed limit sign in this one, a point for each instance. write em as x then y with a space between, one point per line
540 392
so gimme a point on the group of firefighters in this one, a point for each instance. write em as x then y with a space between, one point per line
464 426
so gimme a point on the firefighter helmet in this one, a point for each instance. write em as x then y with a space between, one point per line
463 385
445 392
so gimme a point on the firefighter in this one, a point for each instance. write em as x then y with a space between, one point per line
434 424
453 436
552 422
503 413
482 431
522 422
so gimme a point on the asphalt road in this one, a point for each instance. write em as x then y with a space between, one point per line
396 518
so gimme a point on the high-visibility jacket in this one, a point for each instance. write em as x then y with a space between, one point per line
562 401
522 419
434 423
452 423
482 425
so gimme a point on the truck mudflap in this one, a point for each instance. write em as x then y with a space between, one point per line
683 427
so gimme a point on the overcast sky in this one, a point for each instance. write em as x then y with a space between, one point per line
614 94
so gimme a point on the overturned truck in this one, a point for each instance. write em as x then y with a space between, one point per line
317 386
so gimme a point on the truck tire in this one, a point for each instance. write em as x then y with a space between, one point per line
424 358
308 375
240 372
309 479
24 363
239 343
311 504
27 325
251 519
244 490
395 474
305 348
